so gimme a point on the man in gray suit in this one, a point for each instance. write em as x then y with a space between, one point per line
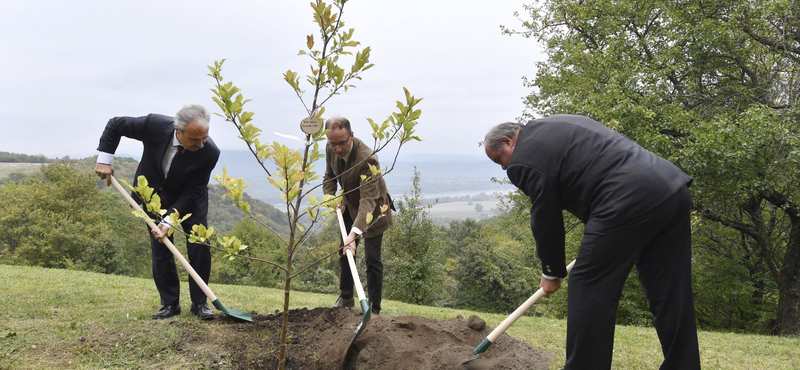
635 207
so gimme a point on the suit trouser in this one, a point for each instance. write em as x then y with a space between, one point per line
372 254
659 244
165 273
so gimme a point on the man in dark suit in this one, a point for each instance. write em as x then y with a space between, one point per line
346 159
177 161
635 207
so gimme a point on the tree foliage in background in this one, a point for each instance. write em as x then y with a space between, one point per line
713 87
62 220
414 252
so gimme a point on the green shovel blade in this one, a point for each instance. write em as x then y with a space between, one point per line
366 308
482 347
233 313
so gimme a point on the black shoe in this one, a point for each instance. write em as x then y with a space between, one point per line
167 311
202 311
344 302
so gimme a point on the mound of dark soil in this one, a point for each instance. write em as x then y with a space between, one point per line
319 339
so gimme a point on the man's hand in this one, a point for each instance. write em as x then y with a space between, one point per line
104 171
550 286
350 244
161 232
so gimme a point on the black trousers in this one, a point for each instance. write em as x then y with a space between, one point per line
659 244
372 253
165 273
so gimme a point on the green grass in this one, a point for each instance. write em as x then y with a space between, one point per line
59 319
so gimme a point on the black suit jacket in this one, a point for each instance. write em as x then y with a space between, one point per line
575 163
186 186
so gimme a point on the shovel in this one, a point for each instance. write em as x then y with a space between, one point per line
228 311
352 350
366 308
500 329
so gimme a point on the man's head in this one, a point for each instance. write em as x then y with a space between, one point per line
500 141
191 126
340 136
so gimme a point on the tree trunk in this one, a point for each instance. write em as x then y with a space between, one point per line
789 285
285 326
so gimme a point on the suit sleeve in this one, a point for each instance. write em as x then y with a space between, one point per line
370 194
195 188
329 184
547 220
117 127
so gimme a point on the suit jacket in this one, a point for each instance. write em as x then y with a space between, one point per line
186 186
369 198
575 163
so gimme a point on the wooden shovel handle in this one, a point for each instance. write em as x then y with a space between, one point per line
350 260
202 284
500 329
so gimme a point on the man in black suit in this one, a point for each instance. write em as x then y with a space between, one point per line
177 161
635 207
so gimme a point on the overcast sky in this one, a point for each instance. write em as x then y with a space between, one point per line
69 66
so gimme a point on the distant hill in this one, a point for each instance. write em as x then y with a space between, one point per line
222 213
7 157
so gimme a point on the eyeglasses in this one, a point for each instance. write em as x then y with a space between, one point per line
341 143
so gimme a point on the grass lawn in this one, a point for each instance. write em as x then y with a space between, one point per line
60 319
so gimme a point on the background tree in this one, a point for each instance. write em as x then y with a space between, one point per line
709 85
414 262
60 219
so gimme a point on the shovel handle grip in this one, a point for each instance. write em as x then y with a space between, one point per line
202 284
350 260
500 329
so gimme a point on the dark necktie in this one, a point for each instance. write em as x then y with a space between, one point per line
342 164
176 157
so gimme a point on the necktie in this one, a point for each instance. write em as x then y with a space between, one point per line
342 164
176 157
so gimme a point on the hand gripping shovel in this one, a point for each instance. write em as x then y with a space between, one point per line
228 311
352 350
500 329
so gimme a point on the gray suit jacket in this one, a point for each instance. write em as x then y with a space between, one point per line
573 163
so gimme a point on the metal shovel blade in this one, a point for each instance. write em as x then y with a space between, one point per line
473 364
351 354
239 315
366 308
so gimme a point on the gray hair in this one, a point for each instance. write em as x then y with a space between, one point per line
493 137
338 123
192 113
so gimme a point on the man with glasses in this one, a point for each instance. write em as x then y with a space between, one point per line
346 159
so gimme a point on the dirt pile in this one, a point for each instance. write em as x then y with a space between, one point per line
319 339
